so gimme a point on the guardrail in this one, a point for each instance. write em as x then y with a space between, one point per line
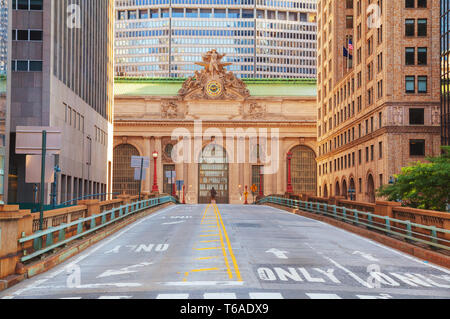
45 241
429 235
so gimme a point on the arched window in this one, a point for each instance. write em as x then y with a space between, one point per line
304 170
123 180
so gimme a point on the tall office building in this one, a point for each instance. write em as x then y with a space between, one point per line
445 71
378 92
4 46
263 39
62 76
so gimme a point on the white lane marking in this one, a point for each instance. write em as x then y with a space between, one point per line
123 271
369 257
323 296
203 283
278 253
115 297
265 295
219 296
279 211
351 274
87 254
70 298
8 297
172 296
93 286
174 223
381 296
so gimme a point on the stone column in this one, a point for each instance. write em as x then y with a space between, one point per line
159 168
384 208
146 183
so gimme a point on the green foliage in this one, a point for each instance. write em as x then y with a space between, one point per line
422 185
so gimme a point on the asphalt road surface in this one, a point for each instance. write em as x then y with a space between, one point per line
236 252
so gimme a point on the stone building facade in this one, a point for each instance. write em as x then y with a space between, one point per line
220 125
62 76
378 92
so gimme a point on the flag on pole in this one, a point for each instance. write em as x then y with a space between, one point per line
350 45
345 52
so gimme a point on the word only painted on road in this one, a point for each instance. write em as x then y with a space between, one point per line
374 278
144 248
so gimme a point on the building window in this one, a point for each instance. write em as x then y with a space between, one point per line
410 84
409 27
422 56
422 82
410 56
417 147
416 116
380 150
409 4
421 3
422 27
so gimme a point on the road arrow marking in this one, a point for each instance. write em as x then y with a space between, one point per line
365 255
278 253
123 271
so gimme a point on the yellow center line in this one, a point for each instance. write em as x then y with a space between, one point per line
224 252
213 235
210 241
209 231
230 250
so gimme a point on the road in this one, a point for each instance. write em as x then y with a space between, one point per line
236 252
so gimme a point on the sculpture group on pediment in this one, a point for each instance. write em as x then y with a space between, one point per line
214 81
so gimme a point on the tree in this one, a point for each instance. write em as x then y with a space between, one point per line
422 185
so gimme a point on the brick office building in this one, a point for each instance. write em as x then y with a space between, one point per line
378 92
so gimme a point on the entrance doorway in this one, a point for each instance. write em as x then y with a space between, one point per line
213 172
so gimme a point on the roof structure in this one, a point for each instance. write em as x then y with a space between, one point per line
257 87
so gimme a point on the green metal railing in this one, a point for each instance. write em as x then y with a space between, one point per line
391 226
45 241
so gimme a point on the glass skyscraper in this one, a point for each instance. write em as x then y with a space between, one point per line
262 38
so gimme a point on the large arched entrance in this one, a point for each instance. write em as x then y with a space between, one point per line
304 170
370 189
213 172
123 176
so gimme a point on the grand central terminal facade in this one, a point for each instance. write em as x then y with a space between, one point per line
216 131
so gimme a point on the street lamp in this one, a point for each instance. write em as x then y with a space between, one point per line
352 193
290 190
155 188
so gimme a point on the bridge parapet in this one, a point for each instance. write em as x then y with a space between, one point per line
426 228
22 241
